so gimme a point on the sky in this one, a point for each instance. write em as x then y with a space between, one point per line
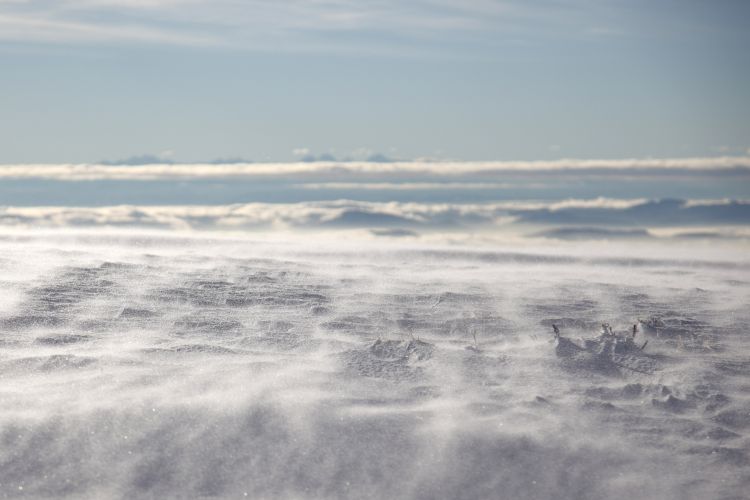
85 81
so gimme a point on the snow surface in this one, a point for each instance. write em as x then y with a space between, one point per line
147 364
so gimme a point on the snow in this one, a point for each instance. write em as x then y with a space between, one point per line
156 364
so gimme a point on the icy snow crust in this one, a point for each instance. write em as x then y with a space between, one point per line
151 365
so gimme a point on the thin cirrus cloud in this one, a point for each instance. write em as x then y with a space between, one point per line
392 26
36 29
288 25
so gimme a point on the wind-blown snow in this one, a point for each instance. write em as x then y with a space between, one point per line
147 364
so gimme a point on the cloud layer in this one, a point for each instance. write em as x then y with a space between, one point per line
394 170
600 218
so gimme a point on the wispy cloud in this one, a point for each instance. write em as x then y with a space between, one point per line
270 24
40 28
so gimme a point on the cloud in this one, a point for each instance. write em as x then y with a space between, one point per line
668 212
39 28
386 172
391 26
400 28
264 24
598 216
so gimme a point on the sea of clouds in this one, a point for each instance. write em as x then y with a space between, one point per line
570 219
564 199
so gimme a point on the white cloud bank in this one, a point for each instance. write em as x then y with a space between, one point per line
448 169
331 215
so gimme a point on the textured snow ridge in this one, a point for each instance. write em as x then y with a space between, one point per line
141 365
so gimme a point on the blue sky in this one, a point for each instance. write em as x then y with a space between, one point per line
193 80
